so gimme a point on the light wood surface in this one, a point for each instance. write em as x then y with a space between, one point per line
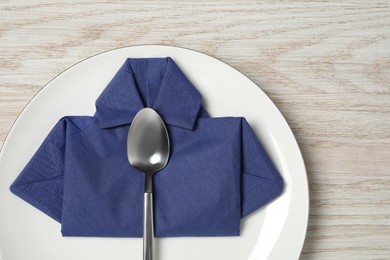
325 64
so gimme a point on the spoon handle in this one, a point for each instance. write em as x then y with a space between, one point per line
148 226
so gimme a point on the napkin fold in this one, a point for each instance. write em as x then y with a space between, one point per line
217 174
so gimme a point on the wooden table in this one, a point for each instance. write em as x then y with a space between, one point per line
325 64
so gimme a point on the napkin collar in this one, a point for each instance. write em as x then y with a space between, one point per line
157 83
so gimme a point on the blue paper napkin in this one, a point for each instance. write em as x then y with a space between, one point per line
217 174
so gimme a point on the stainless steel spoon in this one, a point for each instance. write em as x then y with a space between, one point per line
148 151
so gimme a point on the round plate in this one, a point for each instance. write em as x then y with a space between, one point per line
276 231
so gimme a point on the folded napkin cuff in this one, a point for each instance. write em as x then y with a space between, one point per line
261 181
41 181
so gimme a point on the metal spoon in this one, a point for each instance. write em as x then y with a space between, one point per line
148 151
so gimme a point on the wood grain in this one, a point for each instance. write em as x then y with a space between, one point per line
326 65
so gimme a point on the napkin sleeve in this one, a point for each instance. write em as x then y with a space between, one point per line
261 182
41 181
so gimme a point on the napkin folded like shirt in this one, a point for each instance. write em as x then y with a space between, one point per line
217 174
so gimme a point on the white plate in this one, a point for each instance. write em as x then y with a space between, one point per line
273 232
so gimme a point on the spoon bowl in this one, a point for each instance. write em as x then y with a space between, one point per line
148 142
